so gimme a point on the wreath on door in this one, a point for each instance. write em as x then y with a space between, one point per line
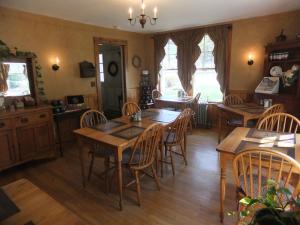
113 68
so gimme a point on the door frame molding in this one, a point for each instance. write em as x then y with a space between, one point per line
124 60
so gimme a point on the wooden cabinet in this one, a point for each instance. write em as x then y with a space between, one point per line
285 55
7 154
26 135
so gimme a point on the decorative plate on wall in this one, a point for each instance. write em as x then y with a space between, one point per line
136 61
113 68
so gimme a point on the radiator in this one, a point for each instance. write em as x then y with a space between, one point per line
202 119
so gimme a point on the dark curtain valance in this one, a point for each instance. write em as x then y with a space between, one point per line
188 52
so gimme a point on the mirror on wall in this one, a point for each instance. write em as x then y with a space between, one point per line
16 78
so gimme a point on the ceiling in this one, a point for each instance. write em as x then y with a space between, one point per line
173 14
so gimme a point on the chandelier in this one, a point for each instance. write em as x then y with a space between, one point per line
142 17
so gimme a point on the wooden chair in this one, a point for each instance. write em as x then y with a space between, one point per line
175 137
277 108
231 122
142 156
129 108
89 119
233 100
280 122
155 94
194 106
252 168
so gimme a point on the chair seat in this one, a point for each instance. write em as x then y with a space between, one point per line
168 137
127 154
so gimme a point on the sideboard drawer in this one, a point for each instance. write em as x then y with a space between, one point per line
28 119
5 124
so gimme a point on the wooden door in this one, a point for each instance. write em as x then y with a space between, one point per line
26 142
44 137
7 156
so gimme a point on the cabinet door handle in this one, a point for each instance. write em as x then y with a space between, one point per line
42 115
2 124
24 120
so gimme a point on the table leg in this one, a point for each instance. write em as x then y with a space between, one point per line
161 148
59 138
222 185
219 126
245 121
80 151
120 177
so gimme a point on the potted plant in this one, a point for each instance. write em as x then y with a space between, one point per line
276 206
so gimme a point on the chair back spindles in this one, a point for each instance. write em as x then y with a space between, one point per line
178 128
155 94
129 108
145 147
277 108
254 167
233 100
280 122
91 118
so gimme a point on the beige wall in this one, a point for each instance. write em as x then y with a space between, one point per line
251 36
71 42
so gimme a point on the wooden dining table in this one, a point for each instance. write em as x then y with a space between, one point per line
176 102
242 138
118 135
247 111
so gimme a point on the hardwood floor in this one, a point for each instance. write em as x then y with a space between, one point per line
191 197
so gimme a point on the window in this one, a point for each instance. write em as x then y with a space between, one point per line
205 77
101 70
17 80
169 80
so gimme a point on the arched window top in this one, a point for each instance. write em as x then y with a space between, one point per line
170 59
205 77
169 80
206 59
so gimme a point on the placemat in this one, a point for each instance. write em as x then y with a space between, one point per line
7 206
146 113
129 132
165 118
290 151
108 126
260 134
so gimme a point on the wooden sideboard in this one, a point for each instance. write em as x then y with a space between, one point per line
25 135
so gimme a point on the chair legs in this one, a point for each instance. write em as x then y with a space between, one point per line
172 162
91 166
155 177
183 151
138 187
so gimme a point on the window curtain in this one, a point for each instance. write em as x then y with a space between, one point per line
219 36
188 51
160 42
4 69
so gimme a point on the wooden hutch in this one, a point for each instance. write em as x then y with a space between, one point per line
290 55
26 134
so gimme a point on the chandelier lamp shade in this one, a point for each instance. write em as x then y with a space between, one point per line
142 18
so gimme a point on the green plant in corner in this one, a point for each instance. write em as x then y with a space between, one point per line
277 206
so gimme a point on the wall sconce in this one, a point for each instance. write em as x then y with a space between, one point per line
55 66
250 60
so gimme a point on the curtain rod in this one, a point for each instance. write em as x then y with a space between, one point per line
229 26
